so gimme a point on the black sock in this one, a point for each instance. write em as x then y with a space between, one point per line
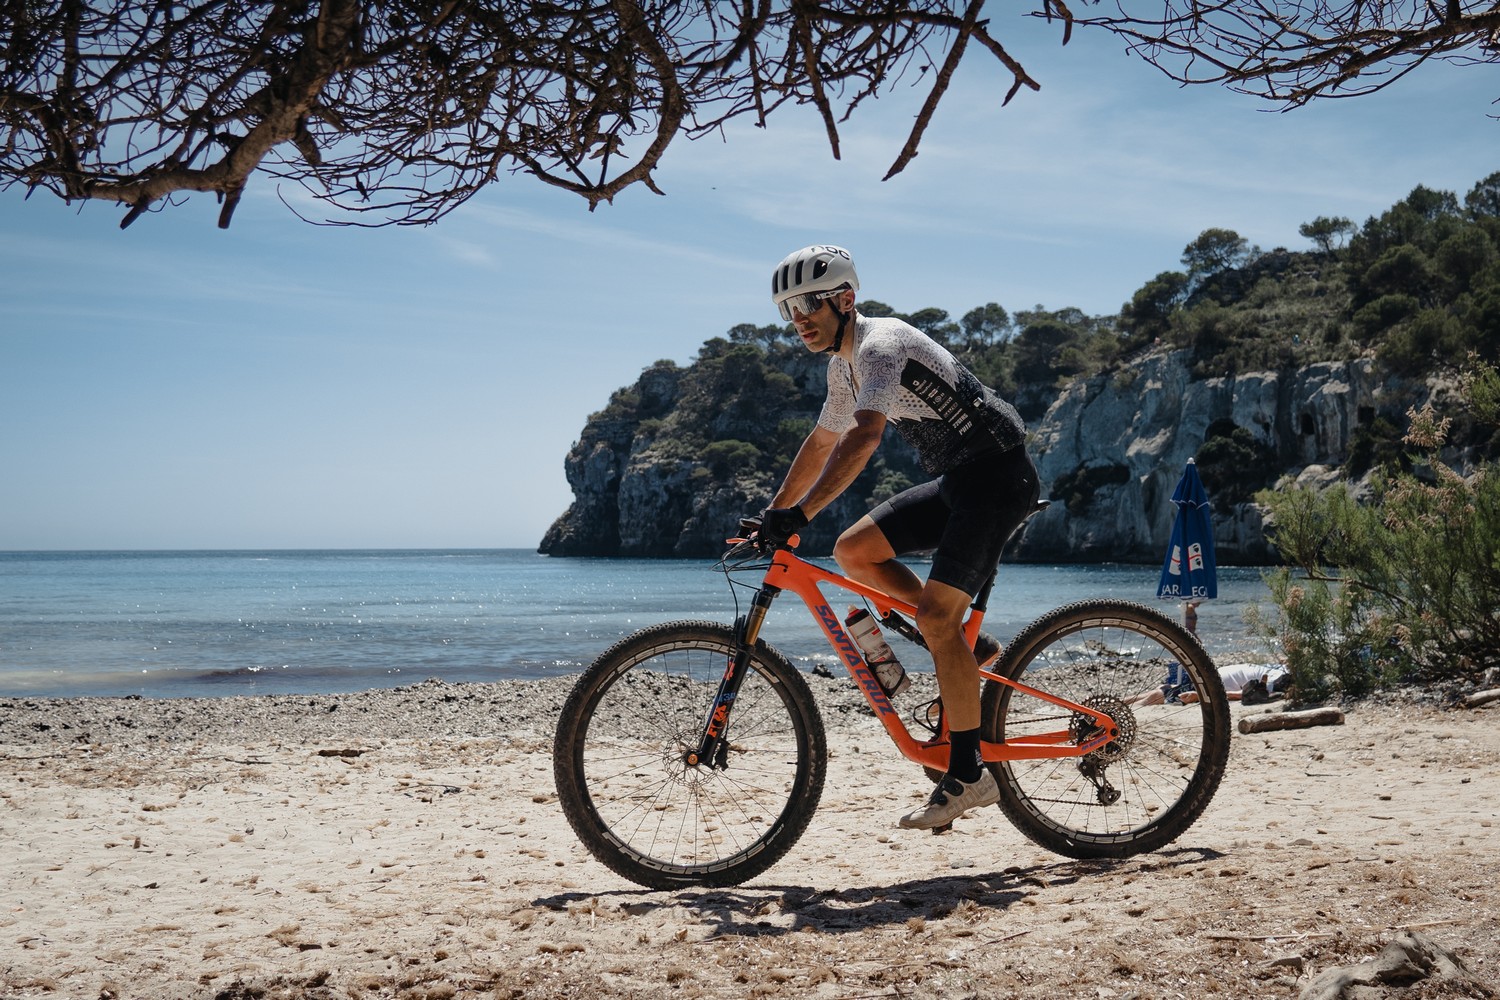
964 761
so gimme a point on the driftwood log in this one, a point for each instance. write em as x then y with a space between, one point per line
1481 698
1291 720
1408 960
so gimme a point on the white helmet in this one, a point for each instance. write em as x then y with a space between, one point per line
811 269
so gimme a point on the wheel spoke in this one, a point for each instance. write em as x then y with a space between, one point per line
1147 785
623 746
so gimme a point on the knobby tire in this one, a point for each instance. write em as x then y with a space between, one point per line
620 759
1161 772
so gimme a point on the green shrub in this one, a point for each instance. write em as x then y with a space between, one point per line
1374 318
1234 464
1076 489
725 456
1405 588
1374 445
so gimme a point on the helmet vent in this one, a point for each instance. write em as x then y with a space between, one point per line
819 268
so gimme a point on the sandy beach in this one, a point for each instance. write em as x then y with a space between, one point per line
408 843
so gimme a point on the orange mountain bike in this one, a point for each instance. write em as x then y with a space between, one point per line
693 753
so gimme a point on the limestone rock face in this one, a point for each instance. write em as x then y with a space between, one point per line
1109 450
597 465
1144 423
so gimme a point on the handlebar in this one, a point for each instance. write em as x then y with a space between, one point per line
750 544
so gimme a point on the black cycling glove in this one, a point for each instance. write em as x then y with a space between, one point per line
777 524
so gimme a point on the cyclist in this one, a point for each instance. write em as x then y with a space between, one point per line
883 369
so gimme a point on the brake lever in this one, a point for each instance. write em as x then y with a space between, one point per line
741 546
738 548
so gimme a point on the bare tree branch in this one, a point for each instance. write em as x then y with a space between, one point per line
398 111
939 88
1294 52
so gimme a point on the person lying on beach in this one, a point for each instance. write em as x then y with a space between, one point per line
1253 683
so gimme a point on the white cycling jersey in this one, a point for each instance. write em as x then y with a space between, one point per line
939 406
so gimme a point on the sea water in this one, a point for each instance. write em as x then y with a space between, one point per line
164 624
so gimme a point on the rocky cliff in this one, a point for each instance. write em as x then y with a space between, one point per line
1130 432
1109 449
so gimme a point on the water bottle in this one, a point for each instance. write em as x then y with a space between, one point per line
888 670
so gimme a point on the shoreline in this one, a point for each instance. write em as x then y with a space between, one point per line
451 710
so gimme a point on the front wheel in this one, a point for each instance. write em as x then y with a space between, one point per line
620 759
1140 791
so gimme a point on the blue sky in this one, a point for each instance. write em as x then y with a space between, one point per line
282 385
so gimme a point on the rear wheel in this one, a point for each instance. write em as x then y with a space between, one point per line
620 759
1138 792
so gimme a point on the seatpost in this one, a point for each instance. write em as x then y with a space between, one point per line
982 599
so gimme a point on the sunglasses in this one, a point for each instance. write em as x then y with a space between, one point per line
807 303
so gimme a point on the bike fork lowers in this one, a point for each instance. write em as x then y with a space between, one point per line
713 748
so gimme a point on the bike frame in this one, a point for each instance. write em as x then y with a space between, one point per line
789 572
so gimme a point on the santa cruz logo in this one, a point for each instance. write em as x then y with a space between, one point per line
851 655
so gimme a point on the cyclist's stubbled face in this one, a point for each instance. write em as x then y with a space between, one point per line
818 329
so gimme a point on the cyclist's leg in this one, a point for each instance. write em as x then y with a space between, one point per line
940 617
967 516
912 521
908 522
966 784
864 554
985 500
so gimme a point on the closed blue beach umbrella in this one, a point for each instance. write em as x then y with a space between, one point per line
1189 573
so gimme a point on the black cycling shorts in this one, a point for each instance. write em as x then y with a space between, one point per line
966 515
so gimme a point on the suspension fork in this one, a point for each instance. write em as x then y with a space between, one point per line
713 748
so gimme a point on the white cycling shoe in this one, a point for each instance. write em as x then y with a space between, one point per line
951 799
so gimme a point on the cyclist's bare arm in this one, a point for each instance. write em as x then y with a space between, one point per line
811 458
813 485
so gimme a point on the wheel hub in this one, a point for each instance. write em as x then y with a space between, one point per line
1084 726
